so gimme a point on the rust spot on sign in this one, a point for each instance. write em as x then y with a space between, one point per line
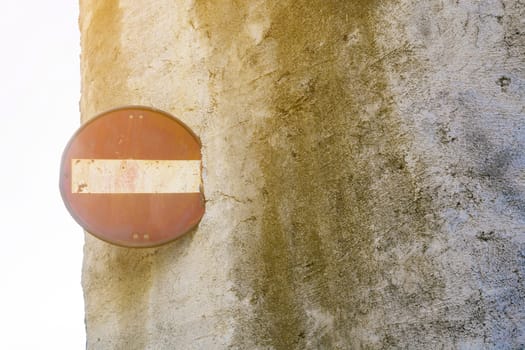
81 187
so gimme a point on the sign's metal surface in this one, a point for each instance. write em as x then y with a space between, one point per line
132 177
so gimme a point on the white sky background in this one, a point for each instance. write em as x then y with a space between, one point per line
41 303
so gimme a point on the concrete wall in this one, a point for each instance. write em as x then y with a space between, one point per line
363 169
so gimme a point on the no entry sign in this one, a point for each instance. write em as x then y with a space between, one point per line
132 177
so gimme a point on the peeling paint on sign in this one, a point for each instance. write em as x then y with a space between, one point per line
135 176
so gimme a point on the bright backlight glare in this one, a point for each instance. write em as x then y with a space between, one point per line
41 296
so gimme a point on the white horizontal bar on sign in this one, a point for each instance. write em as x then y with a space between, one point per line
135 176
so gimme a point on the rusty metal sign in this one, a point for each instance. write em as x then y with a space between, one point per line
132 177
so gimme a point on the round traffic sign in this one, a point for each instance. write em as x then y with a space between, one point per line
132 177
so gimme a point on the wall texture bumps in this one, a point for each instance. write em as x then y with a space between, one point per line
364 173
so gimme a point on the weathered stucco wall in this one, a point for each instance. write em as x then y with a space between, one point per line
363 169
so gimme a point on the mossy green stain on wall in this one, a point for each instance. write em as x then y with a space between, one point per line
328 236
313 175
